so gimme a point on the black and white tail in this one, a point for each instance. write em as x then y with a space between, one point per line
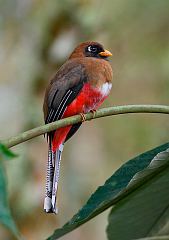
52 179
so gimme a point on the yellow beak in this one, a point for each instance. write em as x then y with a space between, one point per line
106 53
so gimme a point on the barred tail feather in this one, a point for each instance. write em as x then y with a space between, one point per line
49 182
57 159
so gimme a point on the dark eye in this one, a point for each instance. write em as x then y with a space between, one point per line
92 49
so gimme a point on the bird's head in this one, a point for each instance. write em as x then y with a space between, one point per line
90 49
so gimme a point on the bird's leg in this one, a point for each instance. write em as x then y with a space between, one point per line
83 117
93 111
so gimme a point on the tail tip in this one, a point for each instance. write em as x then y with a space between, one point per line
48 210
51 210
55 210
49 207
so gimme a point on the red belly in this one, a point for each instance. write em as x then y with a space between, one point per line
88 99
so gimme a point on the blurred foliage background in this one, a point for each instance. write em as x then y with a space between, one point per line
36 36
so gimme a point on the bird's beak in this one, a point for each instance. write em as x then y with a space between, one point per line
106 53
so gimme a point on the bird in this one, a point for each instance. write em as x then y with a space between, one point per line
80 85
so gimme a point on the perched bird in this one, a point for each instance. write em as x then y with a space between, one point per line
81 85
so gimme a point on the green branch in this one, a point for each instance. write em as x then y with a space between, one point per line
22 137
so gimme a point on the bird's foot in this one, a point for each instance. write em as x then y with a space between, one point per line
93 111
83 117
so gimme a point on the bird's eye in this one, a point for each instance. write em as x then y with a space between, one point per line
92 49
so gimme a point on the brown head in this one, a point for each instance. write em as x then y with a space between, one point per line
90 49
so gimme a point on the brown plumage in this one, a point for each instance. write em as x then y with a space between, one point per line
81 84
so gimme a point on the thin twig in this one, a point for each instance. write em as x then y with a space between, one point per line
22 137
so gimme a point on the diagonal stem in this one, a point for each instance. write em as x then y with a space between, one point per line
25 136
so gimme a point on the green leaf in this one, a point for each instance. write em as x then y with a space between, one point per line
110 193
155 238
5 214
145 211
5 153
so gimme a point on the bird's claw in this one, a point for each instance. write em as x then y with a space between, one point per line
83 117
93 111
